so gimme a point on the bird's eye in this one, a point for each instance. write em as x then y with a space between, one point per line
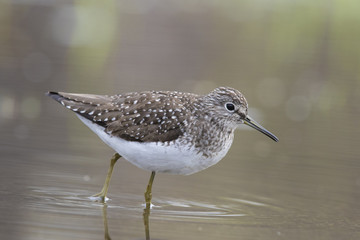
230 107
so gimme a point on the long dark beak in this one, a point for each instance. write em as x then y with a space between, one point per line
250 122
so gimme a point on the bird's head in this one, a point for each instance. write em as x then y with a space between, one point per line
230 106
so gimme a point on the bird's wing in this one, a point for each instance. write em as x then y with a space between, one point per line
142 117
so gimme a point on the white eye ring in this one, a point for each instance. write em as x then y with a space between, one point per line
230 107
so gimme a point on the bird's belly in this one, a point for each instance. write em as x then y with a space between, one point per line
162 157
171 157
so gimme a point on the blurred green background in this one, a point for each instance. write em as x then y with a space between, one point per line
296 61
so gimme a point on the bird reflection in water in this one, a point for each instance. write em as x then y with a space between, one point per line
146 215
106 228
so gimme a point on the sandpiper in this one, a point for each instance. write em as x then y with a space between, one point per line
163 131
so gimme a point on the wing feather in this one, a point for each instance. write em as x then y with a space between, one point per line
143 117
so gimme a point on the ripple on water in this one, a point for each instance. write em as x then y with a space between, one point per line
55 199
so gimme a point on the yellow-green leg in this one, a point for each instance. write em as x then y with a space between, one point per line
102 195
148 194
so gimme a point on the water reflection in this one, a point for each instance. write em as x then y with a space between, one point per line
54 200
50 198
106 228
146 216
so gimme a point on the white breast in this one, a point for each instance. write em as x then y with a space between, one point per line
159 157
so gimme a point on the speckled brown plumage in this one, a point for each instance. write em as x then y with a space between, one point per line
144 117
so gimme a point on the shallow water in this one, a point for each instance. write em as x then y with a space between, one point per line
303 89
288 194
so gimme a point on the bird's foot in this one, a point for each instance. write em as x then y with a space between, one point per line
99 197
